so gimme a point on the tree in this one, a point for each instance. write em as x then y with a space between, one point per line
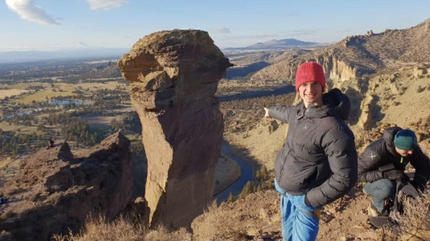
264 173
247 189
230 198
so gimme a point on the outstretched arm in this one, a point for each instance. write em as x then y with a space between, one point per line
280 113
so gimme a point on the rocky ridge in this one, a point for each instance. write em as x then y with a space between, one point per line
357 56
55 192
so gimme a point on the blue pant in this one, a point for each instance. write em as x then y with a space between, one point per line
380 190
299 221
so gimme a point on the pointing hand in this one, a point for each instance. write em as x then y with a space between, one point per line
266 114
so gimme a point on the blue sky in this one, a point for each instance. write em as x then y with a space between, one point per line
65 24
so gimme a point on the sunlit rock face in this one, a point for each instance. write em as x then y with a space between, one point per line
173 78
55 192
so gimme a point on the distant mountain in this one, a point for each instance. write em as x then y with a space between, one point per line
278 44
78 53
84 51
281 43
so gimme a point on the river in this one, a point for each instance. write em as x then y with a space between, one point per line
245 175
246 170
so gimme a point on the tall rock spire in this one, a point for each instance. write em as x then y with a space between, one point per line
173 79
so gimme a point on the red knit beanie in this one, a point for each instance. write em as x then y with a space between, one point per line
310 71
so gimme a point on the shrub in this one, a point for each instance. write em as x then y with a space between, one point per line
122 229
8 215
415 221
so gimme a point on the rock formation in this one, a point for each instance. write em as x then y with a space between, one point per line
335 68
173 78
358 56
54 192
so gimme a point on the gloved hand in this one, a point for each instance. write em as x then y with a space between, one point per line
393 174
419 185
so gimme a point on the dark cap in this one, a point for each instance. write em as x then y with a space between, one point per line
405 140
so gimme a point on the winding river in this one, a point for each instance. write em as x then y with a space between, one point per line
246 170
245 176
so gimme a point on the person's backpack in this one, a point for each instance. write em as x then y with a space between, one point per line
404 189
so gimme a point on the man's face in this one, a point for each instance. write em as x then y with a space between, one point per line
404 153
311 93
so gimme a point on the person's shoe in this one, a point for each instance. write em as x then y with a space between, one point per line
362 185
377 219
373 212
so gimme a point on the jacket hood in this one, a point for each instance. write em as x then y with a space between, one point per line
388 137
338 103
335 104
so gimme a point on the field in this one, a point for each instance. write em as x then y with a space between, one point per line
10 92
49 91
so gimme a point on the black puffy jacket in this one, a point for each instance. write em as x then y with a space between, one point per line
382 152
319 158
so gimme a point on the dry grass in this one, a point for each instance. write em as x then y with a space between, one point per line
122 229
5 161
8 168
66 90
10 92
42 95
162 234
23 129
415 221
219 225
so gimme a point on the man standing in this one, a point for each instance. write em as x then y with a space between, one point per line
383 163
318 162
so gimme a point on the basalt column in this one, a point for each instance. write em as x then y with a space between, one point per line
173 78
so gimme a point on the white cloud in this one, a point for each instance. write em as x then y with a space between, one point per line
28 11
81 45
221 30
106 4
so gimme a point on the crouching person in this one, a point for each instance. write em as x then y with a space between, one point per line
381 168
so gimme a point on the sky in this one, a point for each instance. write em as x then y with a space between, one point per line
68 24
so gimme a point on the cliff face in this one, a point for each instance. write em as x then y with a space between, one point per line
54 192
335 68
173 78
360 55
